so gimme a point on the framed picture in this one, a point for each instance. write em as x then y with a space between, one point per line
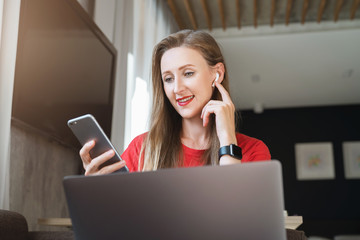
314 161
351 152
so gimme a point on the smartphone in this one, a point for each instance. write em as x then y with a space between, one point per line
86 128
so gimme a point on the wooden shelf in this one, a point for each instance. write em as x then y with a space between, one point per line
291 222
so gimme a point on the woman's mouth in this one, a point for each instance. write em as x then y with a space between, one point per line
185 100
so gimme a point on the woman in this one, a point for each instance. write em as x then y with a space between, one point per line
192 121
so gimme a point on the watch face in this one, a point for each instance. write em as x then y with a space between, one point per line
236 151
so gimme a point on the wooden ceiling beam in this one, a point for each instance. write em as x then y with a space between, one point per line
238 14
272 14
222 15
304 11
339 4
207 13
288 11
191 14
255 14
175 14
321 10
354 8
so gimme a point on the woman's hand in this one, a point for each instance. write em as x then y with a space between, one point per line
224 116
91 166
225 121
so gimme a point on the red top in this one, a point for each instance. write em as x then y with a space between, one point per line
252 150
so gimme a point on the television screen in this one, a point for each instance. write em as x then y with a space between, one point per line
65 68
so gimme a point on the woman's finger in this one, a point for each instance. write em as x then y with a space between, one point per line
95 163
112 168
85 152
224 117
211 107
224 94
210 103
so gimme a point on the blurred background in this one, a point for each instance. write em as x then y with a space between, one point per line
294 70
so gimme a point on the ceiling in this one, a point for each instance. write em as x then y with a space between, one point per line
210 14
284 54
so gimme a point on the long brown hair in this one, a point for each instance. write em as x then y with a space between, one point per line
162 146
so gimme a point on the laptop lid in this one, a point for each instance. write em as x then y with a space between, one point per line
242 201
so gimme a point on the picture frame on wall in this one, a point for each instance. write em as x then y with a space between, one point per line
314 161
351 153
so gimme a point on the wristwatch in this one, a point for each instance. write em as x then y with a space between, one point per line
232 150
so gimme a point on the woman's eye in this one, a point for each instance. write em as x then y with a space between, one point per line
168 79
189 74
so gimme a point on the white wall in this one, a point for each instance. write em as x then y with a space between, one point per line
294 67
104 16
9 22
114 18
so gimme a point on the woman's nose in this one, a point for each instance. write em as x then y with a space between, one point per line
178 85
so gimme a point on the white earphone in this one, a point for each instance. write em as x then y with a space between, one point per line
216 79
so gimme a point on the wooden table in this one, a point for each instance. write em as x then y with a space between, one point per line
291 222
60 222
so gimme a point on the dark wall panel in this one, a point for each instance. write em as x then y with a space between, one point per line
328 207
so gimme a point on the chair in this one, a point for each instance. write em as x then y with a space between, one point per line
13 226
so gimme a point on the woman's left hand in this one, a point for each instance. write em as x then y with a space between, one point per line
224 116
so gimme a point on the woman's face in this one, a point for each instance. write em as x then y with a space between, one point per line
187 80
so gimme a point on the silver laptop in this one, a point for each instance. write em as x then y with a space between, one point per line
243 201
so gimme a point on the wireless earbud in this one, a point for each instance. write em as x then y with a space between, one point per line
216 79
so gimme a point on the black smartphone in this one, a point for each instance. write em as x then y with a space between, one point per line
86 128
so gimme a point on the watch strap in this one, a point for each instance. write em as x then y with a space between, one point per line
232 150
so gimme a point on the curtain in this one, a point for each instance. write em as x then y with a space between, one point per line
122 35
9 22
152 21
138 26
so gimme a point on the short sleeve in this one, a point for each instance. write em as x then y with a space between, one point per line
132 153
252 149
259 152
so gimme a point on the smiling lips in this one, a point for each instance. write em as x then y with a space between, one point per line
185 100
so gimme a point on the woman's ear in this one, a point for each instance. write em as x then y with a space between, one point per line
220 72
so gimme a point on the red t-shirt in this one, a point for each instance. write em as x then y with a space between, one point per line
252 150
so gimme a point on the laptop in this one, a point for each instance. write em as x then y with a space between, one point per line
241 201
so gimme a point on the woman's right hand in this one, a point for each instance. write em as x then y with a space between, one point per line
91 166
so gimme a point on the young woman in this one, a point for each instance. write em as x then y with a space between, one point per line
192 121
